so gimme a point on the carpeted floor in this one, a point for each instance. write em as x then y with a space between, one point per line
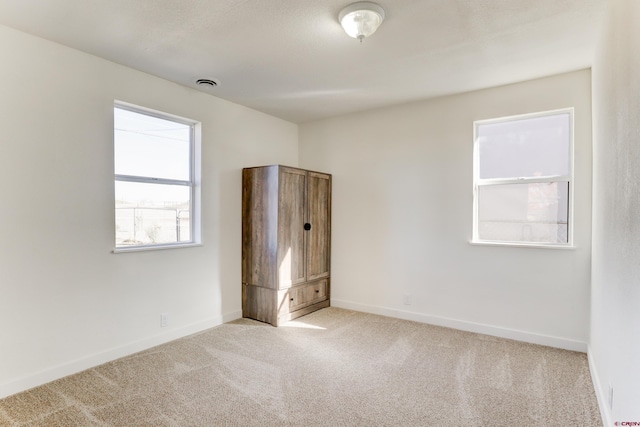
333 367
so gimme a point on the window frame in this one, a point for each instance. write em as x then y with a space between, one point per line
570 179
193 183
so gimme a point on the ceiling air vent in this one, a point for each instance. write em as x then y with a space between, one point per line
206 82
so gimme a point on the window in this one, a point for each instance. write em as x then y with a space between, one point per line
155 179
523 178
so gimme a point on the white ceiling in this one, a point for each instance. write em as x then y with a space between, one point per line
291 58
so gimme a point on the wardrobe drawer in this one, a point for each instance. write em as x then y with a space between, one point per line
304 295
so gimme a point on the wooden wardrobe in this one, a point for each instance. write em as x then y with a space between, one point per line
286 242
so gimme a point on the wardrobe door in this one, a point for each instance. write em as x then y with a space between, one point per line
319 220
291 234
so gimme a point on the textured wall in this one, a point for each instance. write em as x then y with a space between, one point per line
615 325
66 301
402 217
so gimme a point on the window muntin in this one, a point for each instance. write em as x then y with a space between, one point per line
523 179
154 179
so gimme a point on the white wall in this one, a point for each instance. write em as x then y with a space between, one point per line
615 323
402 217
66 301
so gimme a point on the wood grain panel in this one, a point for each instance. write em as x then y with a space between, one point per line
319 208
259 226
259 303
291 234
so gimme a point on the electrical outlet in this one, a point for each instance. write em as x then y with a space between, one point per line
164 320
610 397
407 299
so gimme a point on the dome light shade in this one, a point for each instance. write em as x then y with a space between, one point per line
361 19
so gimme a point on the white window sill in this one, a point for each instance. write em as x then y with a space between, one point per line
155 248
523 245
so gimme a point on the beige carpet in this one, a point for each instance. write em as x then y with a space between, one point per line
331 368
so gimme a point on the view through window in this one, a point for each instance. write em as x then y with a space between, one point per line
154 178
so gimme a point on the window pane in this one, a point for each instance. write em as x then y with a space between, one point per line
531 147
533 213
149 214
151 147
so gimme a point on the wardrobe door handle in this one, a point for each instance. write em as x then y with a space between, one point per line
307 226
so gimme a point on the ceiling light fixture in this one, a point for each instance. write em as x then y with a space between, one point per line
361 19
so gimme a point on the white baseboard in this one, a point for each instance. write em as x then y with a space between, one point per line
234 315
496 331
603 404
56 372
